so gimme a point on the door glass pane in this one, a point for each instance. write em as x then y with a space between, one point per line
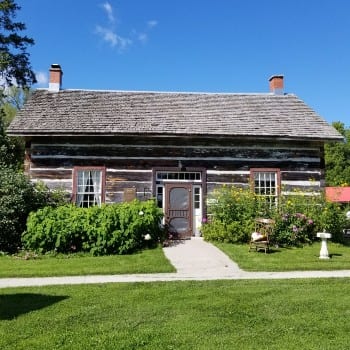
179 198
179 224
160 197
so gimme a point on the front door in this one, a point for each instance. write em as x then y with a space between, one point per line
178 209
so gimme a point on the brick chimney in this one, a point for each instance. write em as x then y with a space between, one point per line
276 84
55 78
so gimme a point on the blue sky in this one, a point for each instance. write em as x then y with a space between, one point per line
197 45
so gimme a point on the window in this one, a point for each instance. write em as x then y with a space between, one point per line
178 176
88 186
197 197
160 196
266 183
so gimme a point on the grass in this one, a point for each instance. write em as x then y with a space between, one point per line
147 261
154 261
274 314
289 259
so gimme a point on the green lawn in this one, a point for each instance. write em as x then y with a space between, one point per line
147 261
289 259
154 261
273 314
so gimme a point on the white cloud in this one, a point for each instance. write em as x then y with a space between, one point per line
152 23
123 43
109 34
112 38
143 37
42 78
109 10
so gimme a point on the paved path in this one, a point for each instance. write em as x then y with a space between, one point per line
194 259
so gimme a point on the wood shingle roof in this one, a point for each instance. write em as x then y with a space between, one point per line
83 112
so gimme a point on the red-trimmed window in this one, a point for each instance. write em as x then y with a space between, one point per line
266 182
89 186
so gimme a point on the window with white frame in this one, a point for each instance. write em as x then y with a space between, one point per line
266 183
179 175
88 186
197 197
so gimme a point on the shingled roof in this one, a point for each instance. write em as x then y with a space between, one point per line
83 112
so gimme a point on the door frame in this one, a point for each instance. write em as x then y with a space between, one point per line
157 183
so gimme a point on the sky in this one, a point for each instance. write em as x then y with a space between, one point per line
196 46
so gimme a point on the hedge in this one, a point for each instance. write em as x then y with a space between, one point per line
110 229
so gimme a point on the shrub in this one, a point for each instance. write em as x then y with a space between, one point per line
229 233
232 210
110 229
18 197
293 229
298 217
324 215
332 219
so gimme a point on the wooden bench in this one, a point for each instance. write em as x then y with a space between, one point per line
260 238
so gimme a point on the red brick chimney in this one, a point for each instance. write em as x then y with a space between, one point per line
55 82
276 84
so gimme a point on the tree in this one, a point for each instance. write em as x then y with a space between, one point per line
11 148
16 76
15 68
18 196
11 101
337 158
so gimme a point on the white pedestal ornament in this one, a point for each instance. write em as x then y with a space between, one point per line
324 250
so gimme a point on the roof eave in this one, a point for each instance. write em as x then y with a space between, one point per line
165 134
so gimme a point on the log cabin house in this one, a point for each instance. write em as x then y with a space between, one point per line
113 146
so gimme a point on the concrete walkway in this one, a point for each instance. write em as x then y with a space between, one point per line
193 259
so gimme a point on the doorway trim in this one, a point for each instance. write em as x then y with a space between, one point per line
177 175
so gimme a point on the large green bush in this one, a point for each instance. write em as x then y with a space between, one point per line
298 216
233 232
18 197
231 211
307 213
293 229
110 229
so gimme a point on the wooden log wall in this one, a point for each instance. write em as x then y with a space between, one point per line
129 161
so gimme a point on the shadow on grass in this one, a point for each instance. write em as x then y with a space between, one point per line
273 251
331 255
262 251
14 305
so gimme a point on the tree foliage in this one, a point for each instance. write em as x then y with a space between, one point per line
18 196
337 158
11 101
15 68
11 148
16 76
